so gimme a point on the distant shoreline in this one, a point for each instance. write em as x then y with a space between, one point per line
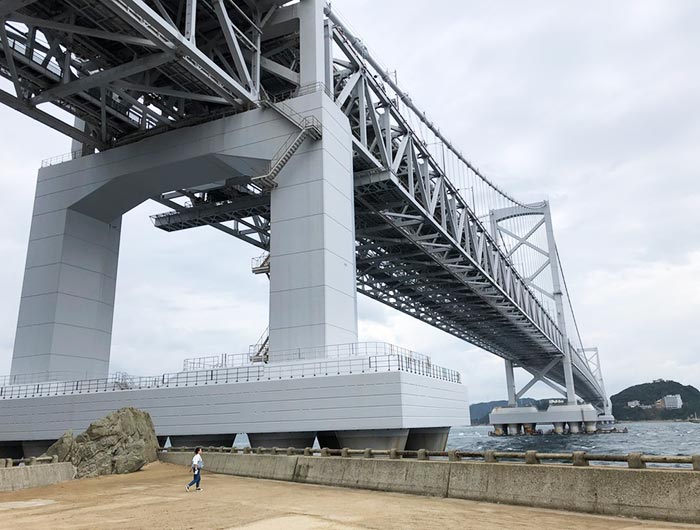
653 421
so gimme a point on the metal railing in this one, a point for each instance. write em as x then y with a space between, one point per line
304 90
336 351
575 458
38 377
31 461
260 262
59 159
241 374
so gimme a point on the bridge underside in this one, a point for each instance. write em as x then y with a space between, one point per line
406 262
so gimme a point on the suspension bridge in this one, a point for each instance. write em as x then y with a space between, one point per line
272 122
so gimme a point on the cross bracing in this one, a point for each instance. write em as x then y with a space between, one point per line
423 244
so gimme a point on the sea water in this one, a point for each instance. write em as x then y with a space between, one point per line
653 438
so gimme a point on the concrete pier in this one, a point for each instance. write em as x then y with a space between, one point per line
561 419
156 499
663 494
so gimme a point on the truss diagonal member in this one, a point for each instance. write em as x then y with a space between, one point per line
537 376
49 120
10 59
80 30
539 271
152 26
103 78
163 12
524 239
190 20
234 47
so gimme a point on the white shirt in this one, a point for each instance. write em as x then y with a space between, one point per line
197 461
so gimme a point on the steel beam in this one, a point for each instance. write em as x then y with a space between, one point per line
49 120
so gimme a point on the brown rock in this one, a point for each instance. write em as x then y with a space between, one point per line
121 442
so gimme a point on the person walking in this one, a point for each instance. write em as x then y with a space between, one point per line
197 465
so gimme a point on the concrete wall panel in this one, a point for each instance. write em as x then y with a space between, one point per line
19 478
401 476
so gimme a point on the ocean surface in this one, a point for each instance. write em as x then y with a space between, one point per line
654 438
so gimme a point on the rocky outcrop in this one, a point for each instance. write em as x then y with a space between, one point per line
121 442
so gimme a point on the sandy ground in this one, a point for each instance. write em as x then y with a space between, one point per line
155 498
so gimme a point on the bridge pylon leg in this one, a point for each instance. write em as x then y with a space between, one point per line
510 383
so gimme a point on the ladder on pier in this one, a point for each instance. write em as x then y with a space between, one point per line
309 127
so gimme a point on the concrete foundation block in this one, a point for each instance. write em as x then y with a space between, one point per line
23 477
634 461
672 495
262 466
531 457
579 458
401 476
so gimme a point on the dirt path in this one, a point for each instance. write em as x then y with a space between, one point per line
154 498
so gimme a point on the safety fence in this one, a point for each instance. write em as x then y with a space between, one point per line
575 458
241 374
335 351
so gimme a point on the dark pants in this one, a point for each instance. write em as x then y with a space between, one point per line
196 479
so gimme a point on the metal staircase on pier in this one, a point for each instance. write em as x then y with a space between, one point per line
259 350
309 126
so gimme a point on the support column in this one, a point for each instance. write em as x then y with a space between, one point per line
64 328
559 304
312 243
311 42
510 383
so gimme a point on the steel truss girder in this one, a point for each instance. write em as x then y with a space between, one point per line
94 59
432 214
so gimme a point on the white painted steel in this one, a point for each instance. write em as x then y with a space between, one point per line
369 400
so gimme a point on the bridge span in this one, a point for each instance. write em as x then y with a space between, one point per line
270 121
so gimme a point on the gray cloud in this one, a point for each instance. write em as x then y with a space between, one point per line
592 105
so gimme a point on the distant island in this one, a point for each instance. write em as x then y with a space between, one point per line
636 403
646 401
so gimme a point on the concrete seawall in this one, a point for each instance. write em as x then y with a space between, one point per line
22 477
663 494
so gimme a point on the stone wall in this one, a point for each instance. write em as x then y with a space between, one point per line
664 494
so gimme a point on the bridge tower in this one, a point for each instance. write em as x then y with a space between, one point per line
66 310
232 107
544 277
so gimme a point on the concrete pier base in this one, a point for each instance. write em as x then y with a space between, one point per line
36 447
572 419
282 439
327 439
374 438
431 439
11 450
205 440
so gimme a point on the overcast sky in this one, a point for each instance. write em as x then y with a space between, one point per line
593 105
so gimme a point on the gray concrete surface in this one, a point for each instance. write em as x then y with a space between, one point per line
23 477
399 476
662 494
